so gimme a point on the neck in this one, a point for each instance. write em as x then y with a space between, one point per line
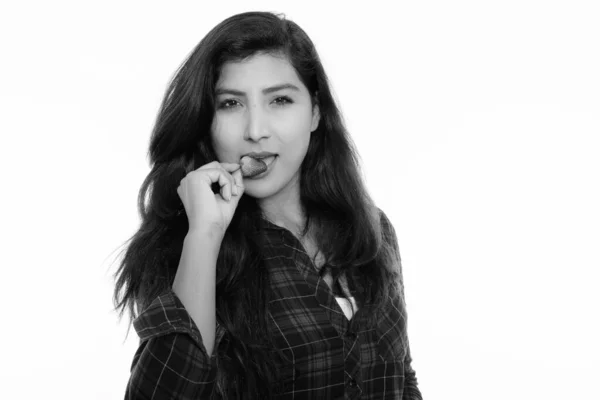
291 219
284 209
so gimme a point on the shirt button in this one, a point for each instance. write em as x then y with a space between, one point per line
352 383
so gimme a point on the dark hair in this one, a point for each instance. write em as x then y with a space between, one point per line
332 193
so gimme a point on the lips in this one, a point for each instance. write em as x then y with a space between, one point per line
259 155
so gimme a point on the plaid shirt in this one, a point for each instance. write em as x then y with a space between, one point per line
329 360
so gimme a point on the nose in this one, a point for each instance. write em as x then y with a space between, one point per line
256 125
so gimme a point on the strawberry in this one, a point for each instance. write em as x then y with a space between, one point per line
252 166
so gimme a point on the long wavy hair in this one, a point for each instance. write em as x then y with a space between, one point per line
332 194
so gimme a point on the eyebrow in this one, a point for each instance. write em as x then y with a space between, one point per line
268 90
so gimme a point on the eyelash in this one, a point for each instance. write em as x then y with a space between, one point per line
223 105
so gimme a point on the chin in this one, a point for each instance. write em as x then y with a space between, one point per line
259 191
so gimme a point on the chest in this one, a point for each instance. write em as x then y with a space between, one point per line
313 252
318 261
306 319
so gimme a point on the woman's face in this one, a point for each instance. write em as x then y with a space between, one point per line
261 105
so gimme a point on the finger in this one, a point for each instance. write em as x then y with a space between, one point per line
231 167
209 165
230 189
239 181
234 188
227 190
221 177
227 187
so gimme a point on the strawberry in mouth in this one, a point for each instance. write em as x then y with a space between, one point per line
252 167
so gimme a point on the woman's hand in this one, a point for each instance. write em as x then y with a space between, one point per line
206 210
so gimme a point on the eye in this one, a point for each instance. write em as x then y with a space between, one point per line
283 100
228 103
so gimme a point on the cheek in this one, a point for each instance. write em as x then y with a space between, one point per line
296 127
223 123
223 135
296 145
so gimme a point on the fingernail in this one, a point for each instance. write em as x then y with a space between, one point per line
235 190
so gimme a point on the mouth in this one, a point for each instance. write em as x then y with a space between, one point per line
255 172
259 156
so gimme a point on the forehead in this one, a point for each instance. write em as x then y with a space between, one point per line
258 71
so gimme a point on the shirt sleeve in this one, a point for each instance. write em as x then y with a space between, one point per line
171 361
411 390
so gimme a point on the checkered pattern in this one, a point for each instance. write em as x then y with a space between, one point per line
329 359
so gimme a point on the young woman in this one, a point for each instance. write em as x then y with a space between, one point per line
263 276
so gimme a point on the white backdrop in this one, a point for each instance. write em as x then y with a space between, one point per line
478 124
